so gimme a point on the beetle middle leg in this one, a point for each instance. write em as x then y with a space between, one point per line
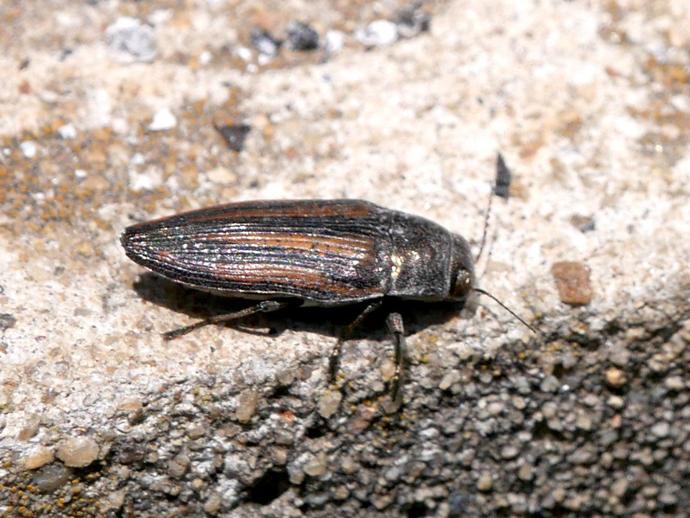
266 306
334 359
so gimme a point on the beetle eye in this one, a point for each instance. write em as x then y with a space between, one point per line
463 284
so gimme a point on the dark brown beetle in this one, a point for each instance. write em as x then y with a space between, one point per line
308 252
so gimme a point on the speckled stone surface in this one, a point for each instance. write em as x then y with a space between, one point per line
109 115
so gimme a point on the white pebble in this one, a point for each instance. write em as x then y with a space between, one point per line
378 33
28 148
244 53
68 131
163 120
334 42
131 40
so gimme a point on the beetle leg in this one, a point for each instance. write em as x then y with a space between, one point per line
395 326
334 359
266 306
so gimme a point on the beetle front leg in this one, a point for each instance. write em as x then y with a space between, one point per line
396 328
266 306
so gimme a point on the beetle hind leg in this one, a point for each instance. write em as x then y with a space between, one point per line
396 328
266 306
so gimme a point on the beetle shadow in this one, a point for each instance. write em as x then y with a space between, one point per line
327 321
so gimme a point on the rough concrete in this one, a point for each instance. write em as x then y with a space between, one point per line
588 104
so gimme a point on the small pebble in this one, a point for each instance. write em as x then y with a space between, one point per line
549 409
568 360
234 135
661 429
196 431
619 357
378 33
246 405
335 41
244 53
28 148
29 428
412 21
583 223
114 501
583 422
348 465
7 321
329 402
509 452
178 466
163 120
68 131
131 40
212 504
77 452
615 377
147 180
619 487
301 36
485 482
583 455
549 384
51 477
572 282
525 472
616 402
316 465
264 42
503 178
222 175
671 383
519 402
38 456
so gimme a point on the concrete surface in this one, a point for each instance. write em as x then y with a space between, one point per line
587 101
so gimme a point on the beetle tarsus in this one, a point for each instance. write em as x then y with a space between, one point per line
266 306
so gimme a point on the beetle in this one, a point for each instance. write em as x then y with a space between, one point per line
308 253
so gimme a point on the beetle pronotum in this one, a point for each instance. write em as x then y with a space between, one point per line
308 253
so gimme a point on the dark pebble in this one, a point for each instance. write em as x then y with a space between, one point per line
234 135
51 477
301 36
412 20
7 321
503 178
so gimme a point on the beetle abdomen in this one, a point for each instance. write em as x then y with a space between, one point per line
321 251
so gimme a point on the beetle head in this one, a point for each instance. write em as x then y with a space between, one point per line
462 269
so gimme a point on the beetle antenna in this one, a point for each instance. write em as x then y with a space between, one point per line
484 292
487 214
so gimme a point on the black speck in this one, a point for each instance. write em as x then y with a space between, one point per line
412 20
503 178
417 510
301 36
234 135
7 321
65 53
